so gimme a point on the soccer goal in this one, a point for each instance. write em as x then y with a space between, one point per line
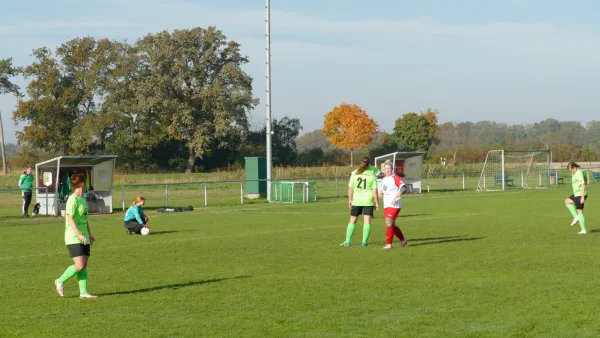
293 192
515 169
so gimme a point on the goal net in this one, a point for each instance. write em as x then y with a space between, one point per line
293 192
515 169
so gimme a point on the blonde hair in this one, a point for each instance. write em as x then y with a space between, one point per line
138 200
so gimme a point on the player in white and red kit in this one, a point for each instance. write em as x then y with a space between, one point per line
392 189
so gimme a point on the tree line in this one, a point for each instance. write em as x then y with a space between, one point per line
181 101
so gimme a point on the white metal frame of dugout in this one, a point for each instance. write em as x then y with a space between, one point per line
48 174
412 166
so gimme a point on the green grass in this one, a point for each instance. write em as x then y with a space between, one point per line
498 264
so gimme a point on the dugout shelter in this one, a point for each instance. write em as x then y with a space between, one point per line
406 164
54 175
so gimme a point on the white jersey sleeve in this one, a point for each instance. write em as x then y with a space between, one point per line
390 186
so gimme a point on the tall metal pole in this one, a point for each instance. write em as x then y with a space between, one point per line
2 146
268 104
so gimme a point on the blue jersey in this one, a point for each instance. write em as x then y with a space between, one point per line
135 213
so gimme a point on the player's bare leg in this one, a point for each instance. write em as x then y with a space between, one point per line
571 206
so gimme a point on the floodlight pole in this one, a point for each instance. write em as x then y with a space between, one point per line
268 103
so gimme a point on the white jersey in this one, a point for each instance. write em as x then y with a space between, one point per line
390 186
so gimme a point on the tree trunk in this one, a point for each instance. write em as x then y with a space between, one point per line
2 145
351 159
191 160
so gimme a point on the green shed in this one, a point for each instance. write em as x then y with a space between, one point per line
256 169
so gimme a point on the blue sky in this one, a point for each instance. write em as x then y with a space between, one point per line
513 61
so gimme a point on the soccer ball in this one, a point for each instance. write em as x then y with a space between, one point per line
146 231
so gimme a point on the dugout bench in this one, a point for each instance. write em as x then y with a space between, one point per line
553 177
507 179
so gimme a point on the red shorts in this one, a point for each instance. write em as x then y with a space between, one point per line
391 213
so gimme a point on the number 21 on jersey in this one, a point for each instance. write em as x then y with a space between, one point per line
362 182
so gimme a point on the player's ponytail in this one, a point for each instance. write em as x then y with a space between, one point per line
573 165
363 166
138 200
77 180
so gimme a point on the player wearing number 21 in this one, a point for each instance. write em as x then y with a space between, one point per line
362 199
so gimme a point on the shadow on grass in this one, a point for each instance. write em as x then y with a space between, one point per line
595 230
172 286
435 238
166 232
443 190
412 215
451 240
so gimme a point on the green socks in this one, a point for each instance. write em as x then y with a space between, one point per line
582 222
571 208
70 272
82 277
350 232
366 232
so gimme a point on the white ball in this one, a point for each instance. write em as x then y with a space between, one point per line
146 231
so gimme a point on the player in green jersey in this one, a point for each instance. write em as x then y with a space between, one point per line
362 199
78 239
575 202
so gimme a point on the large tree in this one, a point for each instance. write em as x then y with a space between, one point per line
134 120
198 84
416 131
349 127
283 141
7 71
65 94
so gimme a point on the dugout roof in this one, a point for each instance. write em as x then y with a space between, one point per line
402 155
67 161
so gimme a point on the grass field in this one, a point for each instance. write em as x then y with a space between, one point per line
497 264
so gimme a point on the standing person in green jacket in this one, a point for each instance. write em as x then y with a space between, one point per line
26 185
78 239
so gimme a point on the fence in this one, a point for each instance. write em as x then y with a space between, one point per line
222 193
217 193
11 198
468 180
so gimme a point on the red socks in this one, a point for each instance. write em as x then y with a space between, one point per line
389 235
396 232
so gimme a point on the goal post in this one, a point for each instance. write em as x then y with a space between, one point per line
293 192
515 169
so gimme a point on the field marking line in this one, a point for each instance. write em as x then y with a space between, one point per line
199 238
262 206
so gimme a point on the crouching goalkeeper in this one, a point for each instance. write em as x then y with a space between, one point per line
135 219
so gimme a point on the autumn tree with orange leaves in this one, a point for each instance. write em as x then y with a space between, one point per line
349 127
